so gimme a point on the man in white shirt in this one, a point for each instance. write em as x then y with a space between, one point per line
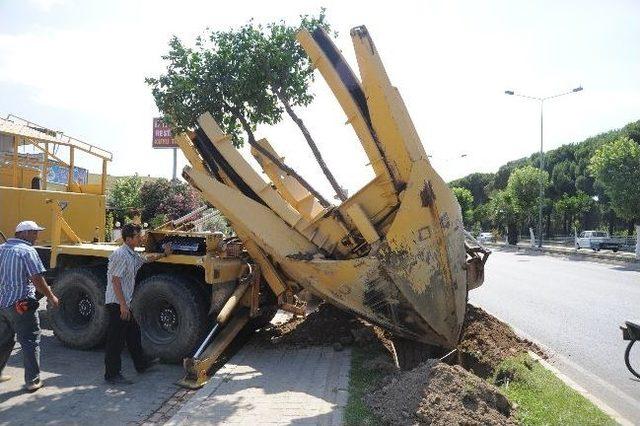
124 263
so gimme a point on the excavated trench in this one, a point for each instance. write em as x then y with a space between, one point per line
436 392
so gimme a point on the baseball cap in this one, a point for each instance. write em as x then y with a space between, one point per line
28 225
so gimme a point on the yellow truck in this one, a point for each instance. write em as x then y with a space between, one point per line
394 253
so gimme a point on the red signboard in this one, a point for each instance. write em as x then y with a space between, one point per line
162 136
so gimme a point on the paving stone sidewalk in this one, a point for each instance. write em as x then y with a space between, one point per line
74 390
263 385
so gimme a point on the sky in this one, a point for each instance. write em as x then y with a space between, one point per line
79 66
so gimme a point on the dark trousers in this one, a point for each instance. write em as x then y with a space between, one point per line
26 327
119 332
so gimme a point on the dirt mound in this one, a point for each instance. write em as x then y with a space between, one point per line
435 393
486 342
327 326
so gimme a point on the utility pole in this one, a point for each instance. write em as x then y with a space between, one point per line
175 164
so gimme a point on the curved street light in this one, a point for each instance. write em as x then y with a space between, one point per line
541 100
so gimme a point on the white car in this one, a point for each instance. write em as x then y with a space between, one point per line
596 240
486 237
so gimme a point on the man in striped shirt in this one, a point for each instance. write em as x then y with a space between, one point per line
124 263
20 274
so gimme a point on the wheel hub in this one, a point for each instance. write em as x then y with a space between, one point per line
168 319
85 307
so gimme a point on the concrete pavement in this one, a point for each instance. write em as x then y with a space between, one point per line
74 391
574 308
283 386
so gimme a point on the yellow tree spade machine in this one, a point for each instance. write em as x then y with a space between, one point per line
394 253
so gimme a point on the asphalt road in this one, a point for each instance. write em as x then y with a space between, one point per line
574 308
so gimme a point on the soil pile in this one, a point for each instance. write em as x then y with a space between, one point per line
435 393
486 342
328 326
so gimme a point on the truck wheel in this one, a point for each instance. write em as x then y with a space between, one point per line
172 313
81 320
409 354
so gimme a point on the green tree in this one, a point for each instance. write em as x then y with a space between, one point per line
503 211
524 187
152 195
180 200
465 199
616 166
125 196
573 208
226 75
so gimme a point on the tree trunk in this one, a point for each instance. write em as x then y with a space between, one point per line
512 233
631 226
611 222
316 152
276 161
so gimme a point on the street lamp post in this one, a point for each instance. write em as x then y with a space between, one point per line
541 100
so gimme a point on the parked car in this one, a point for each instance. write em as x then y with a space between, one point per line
596 240
486 237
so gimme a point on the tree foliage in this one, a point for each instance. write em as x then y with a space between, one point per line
152 194
572 186
125 196
524 187
180 200
616 166
465 199
244 77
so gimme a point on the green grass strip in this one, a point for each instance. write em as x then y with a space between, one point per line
542 398
360 378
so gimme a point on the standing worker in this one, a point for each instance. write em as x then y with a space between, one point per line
20 275
121 275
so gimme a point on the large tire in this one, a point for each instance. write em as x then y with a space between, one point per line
81 320
409 354
172 313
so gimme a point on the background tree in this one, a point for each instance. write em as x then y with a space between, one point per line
504 213
524 187
572 209
124 196
570 175
616 166
465 199
180 200
152 194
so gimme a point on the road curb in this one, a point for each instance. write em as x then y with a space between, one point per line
572 254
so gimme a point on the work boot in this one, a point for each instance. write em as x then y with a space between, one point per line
4 378
34 386
119 380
